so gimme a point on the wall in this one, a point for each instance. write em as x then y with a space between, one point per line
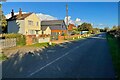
32 39
47 31
6 43
69 37
16 26
33 17
42 39
12 27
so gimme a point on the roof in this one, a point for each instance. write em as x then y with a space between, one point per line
53 24
71 26
44 28
17 17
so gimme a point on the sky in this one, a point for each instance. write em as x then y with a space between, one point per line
100 14
63 0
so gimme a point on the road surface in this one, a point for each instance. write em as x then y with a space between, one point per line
87 58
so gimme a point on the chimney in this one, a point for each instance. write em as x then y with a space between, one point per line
20 12
12 13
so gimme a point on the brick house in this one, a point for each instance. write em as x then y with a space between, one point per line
57 27
71 27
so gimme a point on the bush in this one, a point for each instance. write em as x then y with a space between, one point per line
20 39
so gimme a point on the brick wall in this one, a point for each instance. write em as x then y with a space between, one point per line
68 37
31 39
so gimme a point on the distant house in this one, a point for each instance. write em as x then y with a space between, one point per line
71 27
57 27
46 30
26 24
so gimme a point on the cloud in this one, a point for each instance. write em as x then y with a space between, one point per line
100 24
9 15
45 16
77 21
40 15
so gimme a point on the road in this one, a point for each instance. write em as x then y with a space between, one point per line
87 58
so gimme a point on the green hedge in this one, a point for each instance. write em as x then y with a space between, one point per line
115 52
20 39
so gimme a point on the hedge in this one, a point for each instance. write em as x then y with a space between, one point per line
20 39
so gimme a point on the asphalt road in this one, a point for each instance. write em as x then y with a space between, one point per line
87 58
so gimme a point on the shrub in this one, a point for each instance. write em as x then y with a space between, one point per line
20 39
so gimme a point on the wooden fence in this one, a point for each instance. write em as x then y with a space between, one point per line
7 43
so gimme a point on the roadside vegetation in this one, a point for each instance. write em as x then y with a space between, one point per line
20 39
2 57
113 37
41 45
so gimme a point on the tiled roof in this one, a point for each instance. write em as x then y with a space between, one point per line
53 24
17 17
71 27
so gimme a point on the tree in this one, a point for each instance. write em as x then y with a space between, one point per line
106 29
85 27
3 22
114 28
95 30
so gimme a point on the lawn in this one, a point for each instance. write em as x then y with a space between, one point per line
115 52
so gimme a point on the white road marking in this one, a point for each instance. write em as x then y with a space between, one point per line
50 50
54 60
58 68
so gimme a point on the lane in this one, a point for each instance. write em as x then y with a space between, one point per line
87 61
79 59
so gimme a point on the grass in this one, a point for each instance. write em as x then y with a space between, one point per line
42 45
2 57
115 52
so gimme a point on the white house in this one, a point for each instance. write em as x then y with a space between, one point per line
26 24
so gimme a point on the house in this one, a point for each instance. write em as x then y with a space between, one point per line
71 27
26 24
57 27
46 30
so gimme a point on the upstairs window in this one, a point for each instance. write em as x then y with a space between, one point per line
37 24
30 22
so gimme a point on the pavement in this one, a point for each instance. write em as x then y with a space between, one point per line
86 58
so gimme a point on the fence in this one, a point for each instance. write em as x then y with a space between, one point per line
6 43
68 37
46 39
32 39
72 36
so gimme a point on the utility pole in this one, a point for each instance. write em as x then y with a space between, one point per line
67 15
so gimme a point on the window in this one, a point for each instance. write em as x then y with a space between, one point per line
37 24
31 32
30 22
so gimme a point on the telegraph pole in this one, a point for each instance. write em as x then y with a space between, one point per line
67 15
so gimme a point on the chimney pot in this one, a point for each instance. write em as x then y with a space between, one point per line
20 12
12 13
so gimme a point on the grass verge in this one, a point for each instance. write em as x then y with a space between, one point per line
42 45
115 52
2 57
